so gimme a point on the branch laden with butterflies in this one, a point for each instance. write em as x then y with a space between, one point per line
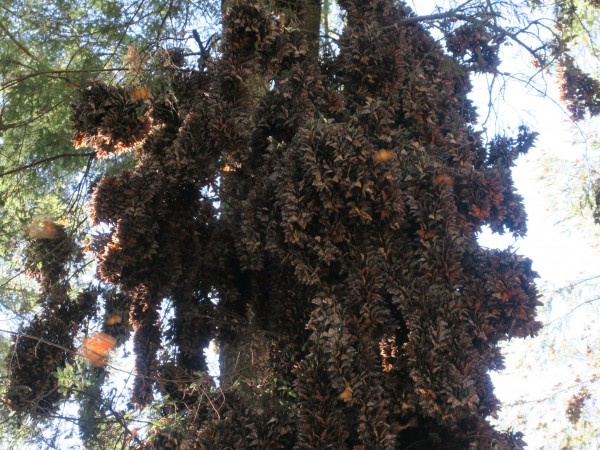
317 219
46 343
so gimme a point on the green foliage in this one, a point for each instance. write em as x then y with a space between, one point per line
49 51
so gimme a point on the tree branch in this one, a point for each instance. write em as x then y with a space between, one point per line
454 12
12 82
22 123
572 310
20 335
45 161
16 42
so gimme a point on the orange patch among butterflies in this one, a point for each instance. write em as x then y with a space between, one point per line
97 347
42 229
383 155
346 394
140 93
115 319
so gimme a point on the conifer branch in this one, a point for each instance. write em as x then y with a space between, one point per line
15 41
45 161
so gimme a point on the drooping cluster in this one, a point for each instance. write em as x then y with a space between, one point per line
579 90
576 404
355 308
110 119
158 219
46 343
476 45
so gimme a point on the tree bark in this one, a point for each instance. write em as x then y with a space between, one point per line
310 22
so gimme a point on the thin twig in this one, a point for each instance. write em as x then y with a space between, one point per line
572 310
56 73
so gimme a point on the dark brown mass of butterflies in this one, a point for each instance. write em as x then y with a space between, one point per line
344 251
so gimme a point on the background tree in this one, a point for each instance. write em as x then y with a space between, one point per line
317 218
561 411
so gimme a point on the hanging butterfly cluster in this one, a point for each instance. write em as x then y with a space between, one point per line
46 343
111 120
355 307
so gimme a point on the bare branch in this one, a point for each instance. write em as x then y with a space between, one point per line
451 13
572 310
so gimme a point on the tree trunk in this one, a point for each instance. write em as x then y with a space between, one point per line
310 22
243 358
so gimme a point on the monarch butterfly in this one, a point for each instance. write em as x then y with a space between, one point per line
97 347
